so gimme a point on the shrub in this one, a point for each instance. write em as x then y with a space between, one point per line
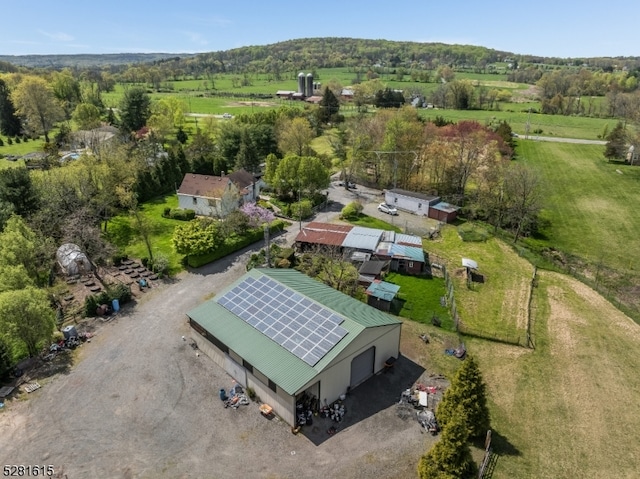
303 209
119 291
1 142
17 140
118 259
166 212
181 214
351 211
9 141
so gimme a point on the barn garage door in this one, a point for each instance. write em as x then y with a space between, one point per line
362 366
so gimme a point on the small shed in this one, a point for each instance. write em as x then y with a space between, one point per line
444 212
381 294
371 271
72 260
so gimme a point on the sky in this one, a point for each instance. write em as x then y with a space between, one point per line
560 28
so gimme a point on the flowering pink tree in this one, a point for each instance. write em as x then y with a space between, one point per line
258 215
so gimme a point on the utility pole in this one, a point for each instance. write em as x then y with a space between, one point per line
299 204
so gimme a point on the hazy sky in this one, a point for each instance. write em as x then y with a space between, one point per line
548 28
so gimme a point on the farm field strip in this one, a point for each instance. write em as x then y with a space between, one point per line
566 409
591 206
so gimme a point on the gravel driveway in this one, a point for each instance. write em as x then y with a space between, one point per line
139 403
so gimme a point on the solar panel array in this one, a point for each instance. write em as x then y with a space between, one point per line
302 327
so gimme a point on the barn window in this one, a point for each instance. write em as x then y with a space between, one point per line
419 205
410 264
273 386
195 200
395 200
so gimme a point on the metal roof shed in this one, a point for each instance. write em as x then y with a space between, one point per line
361 238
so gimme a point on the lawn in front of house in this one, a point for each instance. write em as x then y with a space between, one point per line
371 222
122 231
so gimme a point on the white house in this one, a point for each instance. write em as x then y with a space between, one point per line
210 195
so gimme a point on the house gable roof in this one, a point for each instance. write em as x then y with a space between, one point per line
210 186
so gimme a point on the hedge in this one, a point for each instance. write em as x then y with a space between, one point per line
234 243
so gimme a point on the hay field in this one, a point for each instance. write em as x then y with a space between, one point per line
569 408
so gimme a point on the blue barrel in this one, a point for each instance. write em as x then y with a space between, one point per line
116 305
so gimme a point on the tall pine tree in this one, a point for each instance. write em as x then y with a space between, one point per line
616 143
467 389
450 457
9 122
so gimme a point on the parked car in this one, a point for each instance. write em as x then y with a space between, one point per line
386 208
227 116
350 184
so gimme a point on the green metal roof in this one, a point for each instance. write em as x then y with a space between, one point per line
282 367
383 290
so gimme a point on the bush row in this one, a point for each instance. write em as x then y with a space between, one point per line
234 243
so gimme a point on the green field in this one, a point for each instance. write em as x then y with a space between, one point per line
551 125
591 204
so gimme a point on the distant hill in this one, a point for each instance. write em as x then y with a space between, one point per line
310 53
87 60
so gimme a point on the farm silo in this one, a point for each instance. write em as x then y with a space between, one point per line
301 82
309 90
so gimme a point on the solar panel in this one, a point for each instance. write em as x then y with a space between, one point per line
303 327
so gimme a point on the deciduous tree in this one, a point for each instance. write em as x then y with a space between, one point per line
26 317
199 236
294 136
37 105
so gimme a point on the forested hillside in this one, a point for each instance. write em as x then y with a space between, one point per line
308 53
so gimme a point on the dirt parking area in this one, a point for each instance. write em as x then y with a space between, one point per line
139 402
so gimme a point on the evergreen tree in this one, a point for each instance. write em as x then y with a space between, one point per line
467 390
9 122
616 143
450 457
17 189
135 109
329 107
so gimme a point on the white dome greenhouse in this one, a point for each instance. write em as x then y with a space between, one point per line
72 260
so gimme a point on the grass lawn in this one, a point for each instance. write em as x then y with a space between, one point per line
420 298
566 409
371 222
22 148
551 125
591 204
569 408
121 231
493 307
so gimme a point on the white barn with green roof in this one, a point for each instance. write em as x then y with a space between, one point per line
285 334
